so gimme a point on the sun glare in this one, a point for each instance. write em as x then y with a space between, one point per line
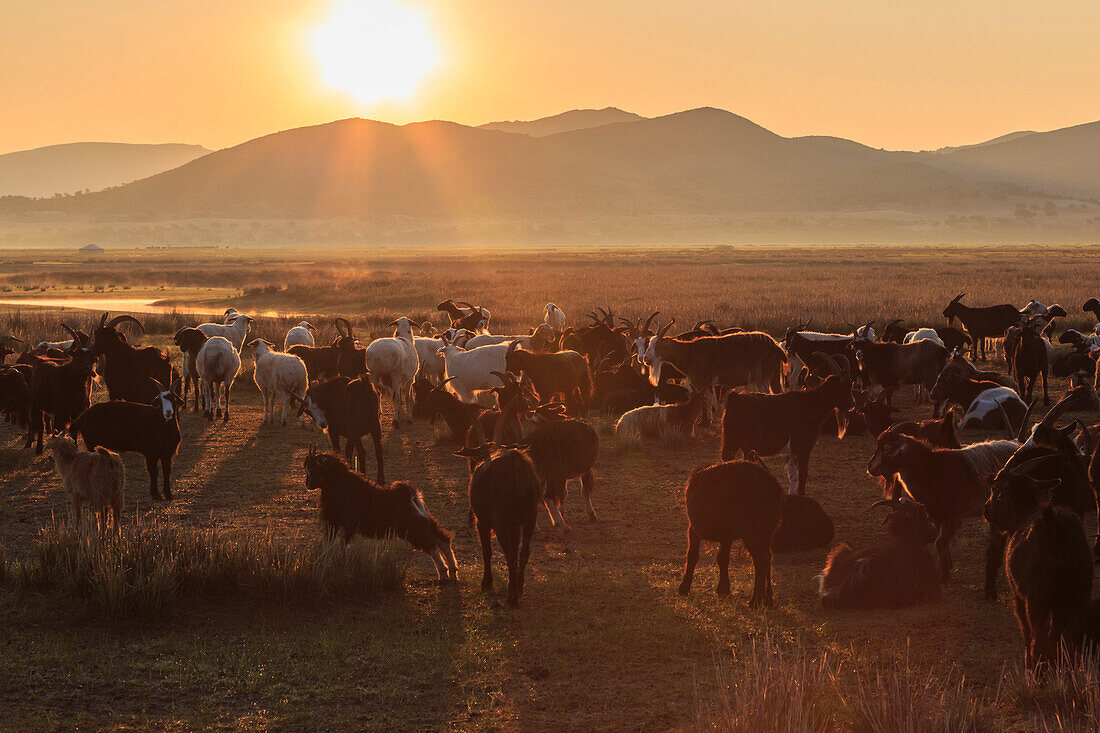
375 50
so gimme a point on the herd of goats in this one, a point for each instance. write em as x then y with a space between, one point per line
515 406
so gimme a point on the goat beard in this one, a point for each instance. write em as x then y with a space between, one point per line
841 423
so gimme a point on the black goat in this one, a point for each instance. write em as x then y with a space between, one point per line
130 373
1029 361
434 401
15 394
352 504
982 323
804 525
343 358
729 501
59 388
152 430
347 408
563 374
564 449
895 573
190 341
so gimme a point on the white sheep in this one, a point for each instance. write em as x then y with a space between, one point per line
302 334
471 370
554 317
96 478
234 332
393 363
277 374
217 364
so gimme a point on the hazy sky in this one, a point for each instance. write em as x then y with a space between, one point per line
889 73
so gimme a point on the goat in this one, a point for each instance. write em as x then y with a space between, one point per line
504 500
130 373
234 331
427 353
1082 381
190 342
803 525
277 375
1030 360
565 374
467 372
554 317
474 318
923 334
939 433
431 401
895 573
987 405
302 334
152 430
981 323
218 363
729 501
959 365
95 478
953 339
344 357
791 421
15 394
347 408
886 365
229 316
58 389
562 450
1049 570
670 423
392 363
802 347
948 483
352 504
736 360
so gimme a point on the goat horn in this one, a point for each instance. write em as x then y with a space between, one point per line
1022 468
664 329
1020 437
886 502
347 326
1057 409
125 319
74 334
512 348
648 322
1008 423
103 319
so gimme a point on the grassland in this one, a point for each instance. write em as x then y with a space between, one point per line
602 640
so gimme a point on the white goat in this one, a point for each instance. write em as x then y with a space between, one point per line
235 332
994 406
392 363
554 318
302 334
218 364
923 334
230 315
471 371
96 478
277 374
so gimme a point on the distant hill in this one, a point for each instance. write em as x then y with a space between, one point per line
577 119
92 166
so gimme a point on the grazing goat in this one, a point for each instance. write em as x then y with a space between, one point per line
277 375
562 450
152 430
1049 570
803 525
352 504
130 373
948 483
300 335
234 331
670 423
218 363
751 358
987 405
392 363
729 501
564 374
895 573
504 500
93 478
981 323
190 342
347 408
791 421
554 317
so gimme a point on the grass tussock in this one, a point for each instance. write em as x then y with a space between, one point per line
151 568
1065 697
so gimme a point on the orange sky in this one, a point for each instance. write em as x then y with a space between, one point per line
888 73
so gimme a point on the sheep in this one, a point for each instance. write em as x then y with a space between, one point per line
347 408
234 331
729 501
565 374
301 334
670 423
190 342
981 323
468 372
504 495
895 573
152 430
948 483
130 373
94 478
277 375
791 421
392 363
352 504
1049 570
218 364
554 317
803 525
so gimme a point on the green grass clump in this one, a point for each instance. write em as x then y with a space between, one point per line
149 569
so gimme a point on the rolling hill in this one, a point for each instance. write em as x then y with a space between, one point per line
87 166
577 119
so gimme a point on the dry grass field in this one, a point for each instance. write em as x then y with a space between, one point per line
602 641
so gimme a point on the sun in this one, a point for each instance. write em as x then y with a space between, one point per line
375 50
